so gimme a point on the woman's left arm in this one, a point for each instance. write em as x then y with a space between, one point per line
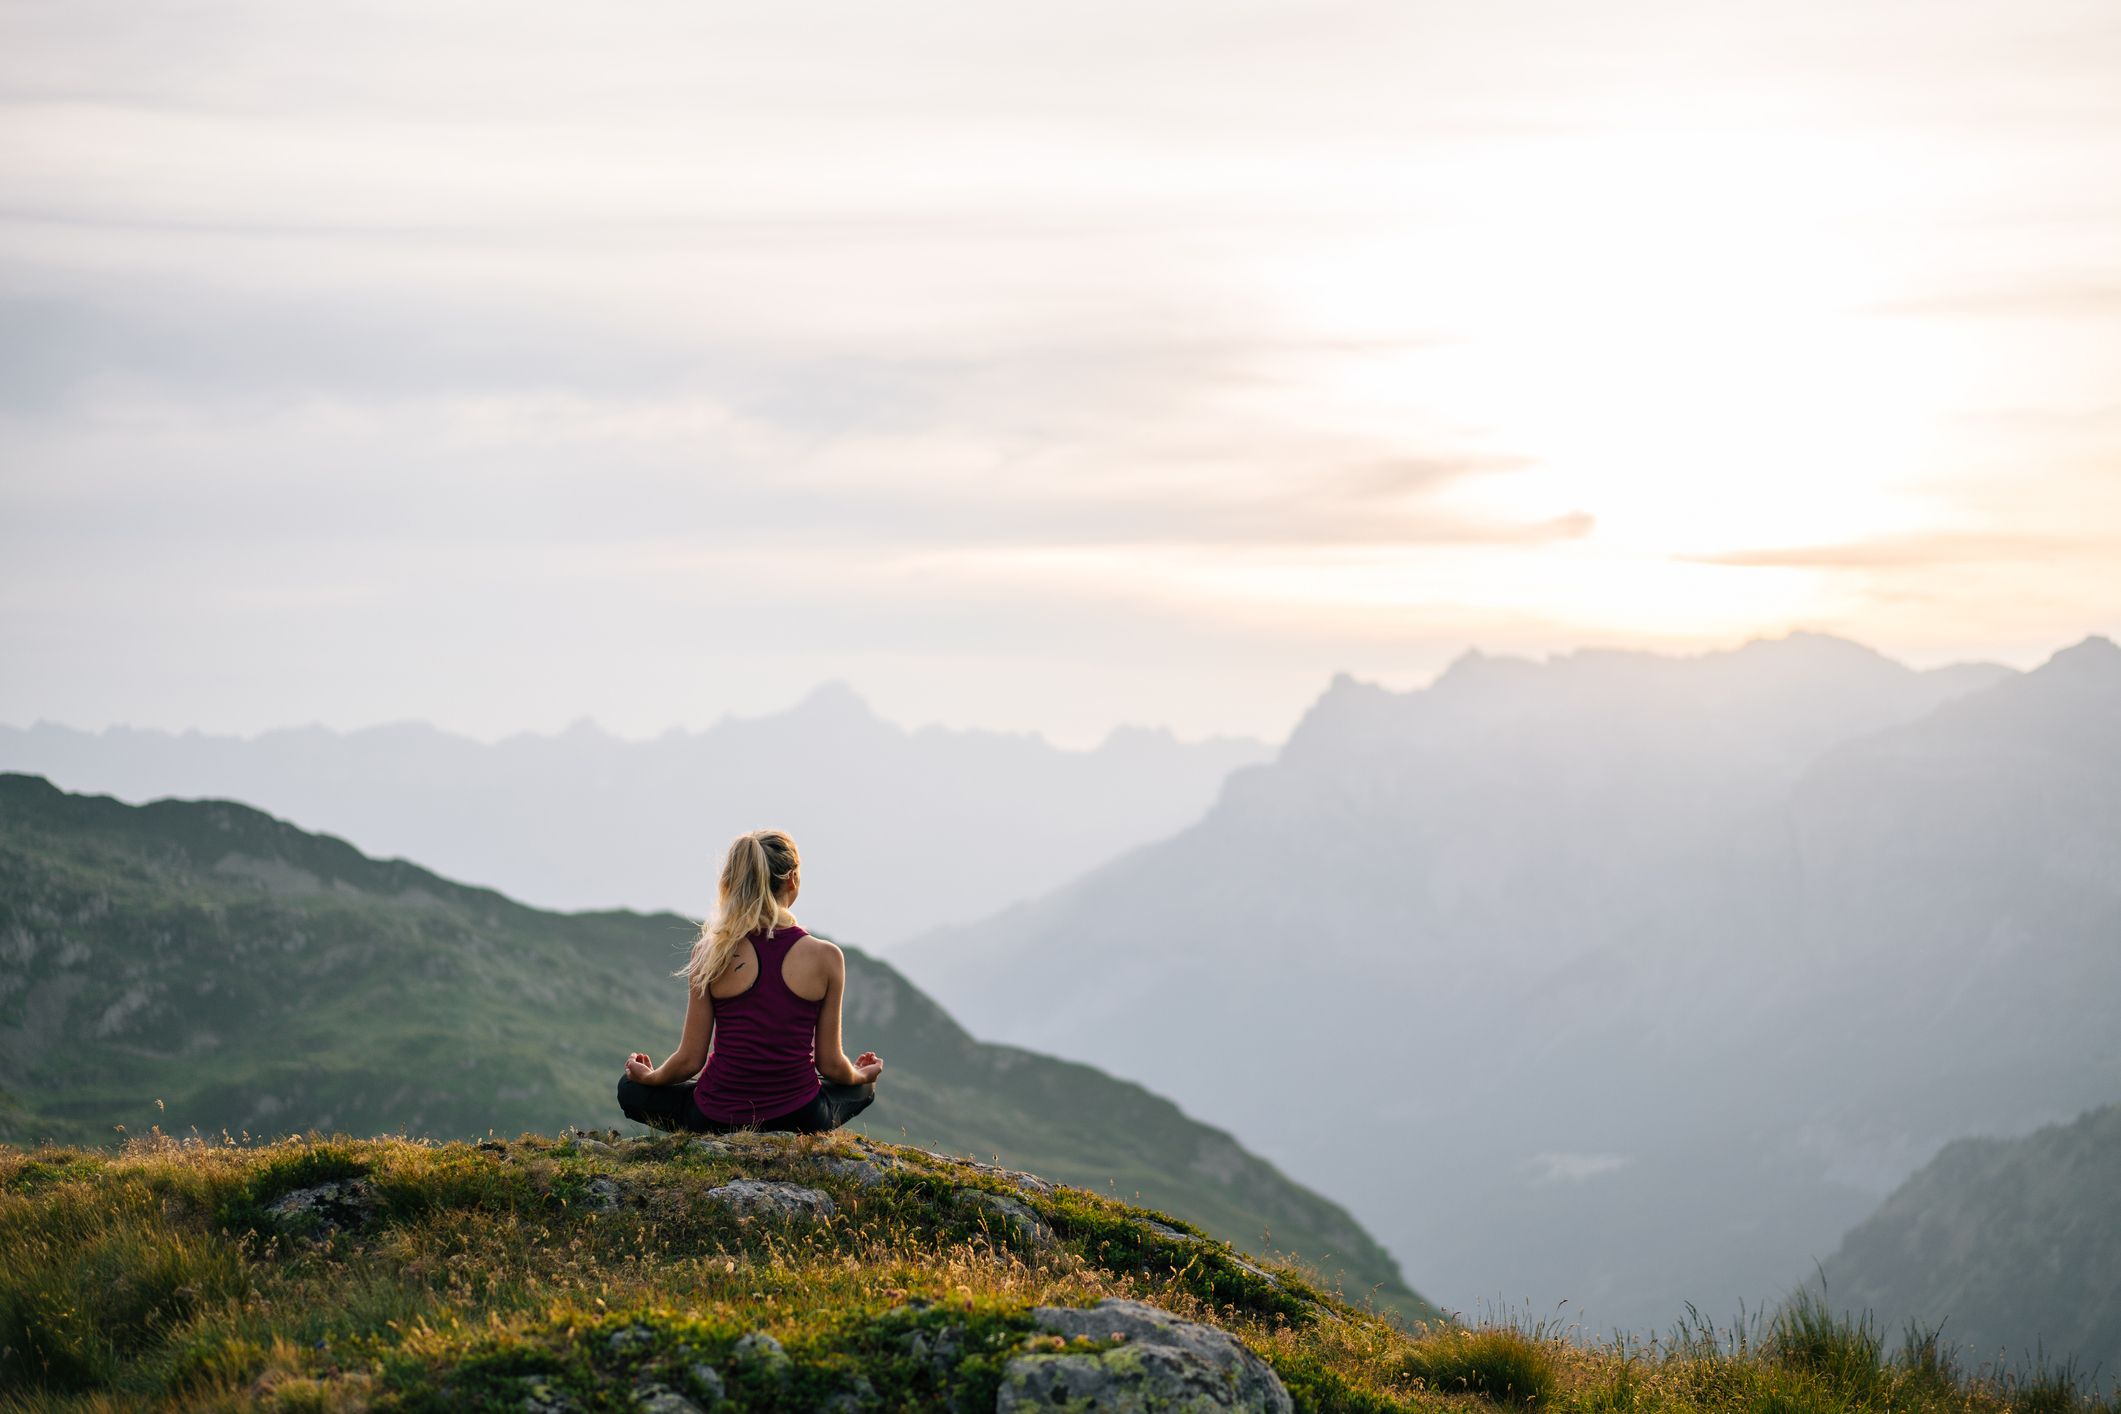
691 1054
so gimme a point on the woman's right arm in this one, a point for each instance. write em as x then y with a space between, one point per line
832 1062
691 1054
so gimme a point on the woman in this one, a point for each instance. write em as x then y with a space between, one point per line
767 995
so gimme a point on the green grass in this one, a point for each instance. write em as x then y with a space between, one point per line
1501 1362
490 1277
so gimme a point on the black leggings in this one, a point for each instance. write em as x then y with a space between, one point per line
671 1107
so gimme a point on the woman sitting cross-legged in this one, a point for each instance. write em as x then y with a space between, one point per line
763 1015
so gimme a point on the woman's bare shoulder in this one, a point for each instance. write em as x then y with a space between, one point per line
821 949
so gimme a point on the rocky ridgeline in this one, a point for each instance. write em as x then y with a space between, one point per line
1115 1356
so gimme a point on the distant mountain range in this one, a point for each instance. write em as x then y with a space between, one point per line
203 965
1617 979
2012 1245
906 829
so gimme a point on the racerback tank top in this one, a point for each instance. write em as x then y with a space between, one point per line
764 1063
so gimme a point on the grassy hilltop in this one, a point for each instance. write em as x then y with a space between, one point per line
547 1276
201 965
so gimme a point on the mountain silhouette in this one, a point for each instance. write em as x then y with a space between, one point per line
904 829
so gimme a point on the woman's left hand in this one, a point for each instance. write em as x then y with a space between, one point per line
639 1068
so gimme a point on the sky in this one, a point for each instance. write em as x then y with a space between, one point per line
1039 367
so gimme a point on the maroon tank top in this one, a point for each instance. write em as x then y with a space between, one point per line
764 1061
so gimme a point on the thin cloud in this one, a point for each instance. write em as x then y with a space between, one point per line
2089 299
1915 551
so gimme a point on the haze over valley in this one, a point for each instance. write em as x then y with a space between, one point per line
583 819
1617 979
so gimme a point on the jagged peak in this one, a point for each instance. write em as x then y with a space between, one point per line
1346 686
1811 644
2095 653
1475 665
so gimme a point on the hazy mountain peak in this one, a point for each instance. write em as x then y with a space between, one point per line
1475 668
1809 645
2095 655
1348 707
1346 687
834 700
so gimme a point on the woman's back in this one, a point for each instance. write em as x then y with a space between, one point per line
762 1045
763 1061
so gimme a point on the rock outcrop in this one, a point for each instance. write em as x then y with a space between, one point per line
751 1197
1157 1362
325 1208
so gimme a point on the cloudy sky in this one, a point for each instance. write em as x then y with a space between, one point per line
1035 366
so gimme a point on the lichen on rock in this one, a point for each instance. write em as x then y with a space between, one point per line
324 1208
1159 1363
1021 1225
750 1197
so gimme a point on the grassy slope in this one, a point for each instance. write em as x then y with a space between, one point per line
493 1277
2011 1239
251 977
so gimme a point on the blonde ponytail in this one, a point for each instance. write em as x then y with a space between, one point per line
754 873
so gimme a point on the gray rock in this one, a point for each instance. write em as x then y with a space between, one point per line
1022 1226
541 1398
341 1203
761 1350
745 1145
755 1198
603 1194
1165 1230
859 1396
866 1173
941 1352
862 1171
710 1379
1162 1364
656 1399
627 1339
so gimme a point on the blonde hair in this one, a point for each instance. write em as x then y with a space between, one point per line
757 868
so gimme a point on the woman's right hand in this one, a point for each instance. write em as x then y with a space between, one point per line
867 1066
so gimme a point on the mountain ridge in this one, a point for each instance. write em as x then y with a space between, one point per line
581 819
1561 893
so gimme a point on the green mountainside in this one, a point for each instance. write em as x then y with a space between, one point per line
203 966
2014 1245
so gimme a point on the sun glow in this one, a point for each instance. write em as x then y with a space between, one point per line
1667 330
